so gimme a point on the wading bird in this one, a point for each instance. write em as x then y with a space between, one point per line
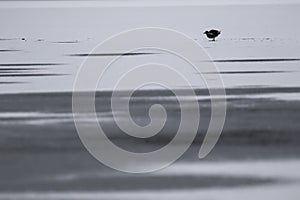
212 34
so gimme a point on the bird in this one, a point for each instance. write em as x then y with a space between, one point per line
212 34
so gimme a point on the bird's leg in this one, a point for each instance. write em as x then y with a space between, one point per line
213 39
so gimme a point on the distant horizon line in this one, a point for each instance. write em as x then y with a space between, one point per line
135 3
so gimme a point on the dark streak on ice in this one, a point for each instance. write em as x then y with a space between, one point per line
111 54
18 69
7 50
247 72
29 75
257 60
10 82
28 64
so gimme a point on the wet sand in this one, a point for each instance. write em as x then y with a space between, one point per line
40 150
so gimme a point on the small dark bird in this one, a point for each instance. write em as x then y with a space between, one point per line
212 34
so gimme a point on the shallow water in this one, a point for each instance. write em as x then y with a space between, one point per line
41 155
